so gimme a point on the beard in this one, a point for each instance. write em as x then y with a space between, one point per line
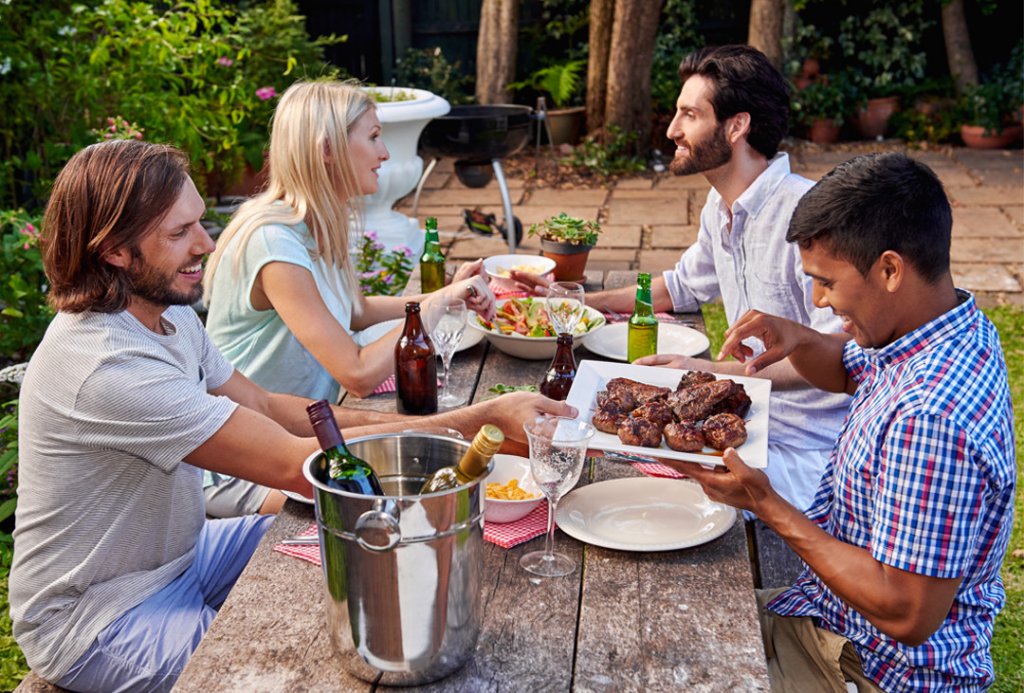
703 156
156 287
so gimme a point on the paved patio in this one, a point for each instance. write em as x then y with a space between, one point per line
648 221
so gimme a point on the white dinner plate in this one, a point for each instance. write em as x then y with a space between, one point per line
593 376
470 337
297 497
672 339
643 514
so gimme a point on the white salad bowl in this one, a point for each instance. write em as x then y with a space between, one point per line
506 468
534 348
498 266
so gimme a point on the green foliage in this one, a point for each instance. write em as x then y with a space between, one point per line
24 312
992 103
807 42
886 46
824 98
200 74
427 68
566 229
13 667
8 459
605 160
1008 638
677 36
382 273
932 120
561 82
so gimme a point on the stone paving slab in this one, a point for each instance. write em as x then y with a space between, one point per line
674 182
985 250
564 198
676 236
982 277
657 261
650 194
626 255
986 195
984 222
620 236
534 214
635 184
474 196
664 211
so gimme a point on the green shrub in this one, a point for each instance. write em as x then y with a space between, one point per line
677 36
24 312
604 160
427 68
199 74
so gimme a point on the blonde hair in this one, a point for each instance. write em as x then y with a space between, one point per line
311 119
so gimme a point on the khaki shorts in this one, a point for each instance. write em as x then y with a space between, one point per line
803 657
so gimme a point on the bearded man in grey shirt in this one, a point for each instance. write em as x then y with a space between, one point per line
117 573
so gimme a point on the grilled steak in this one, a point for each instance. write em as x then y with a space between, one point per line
657 411
725 431
640 432
684 437
640 392
698 403
694 378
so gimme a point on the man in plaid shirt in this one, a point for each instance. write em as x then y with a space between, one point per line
907 532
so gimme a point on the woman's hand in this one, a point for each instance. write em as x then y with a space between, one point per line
533 284
469 269
474 291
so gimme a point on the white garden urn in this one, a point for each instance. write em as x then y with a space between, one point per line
401 125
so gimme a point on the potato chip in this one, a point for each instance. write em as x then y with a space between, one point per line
508 491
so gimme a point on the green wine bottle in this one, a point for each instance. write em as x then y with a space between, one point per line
432 260
642 337
473 463
345 471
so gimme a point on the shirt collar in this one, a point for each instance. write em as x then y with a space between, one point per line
763 187
946 326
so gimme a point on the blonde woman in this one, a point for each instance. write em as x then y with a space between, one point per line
282 292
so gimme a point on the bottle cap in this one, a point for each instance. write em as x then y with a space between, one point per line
488 439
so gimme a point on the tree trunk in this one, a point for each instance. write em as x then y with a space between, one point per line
629 68
496 50
959 53
765 30
601 17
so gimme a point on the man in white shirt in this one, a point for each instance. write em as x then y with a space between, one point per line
730 117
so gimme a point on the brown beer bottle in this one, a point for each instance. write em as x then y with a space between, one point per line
558 380
415 366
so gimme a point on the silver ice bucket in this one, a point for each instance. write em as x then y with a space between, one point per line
402 571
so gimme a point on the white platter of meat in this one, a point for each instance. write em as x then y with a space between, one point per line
689 411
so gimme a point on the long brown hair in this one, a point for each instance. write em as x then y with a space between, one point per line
107 197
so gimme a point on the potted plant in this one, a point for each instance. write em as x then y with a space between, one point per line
988 116
561 82
820 108
567 240
886 47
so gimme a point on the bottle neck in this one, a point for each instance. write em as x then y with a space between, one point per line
474 462
325 427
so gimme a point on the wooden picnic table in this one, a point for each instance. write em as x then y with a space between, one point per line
624 621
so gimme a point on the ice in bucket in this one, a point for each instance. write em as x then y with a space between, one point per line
402 572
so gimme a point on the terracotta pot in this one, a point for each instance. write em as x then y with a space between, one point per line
974 136
570 260
823 131
566 125
811 68
251 182
872 120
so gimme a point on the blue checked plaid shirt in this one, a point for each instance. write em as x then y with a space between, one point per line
923 476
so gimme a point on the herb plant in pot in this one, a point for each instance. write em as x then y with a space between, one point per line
820 108
988 117
561 83
567 240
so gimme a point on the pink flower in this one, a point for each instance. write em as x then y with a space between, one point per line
265 93
225 61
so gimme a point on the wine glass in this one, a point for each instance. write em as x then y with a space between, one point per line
565 306
448 316
558 447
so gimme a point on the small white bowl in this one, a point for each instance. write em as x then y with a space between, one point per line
506 468
533 348
498 266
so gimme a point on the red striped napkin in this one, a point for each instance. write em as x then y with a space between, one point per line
505 535
310 552
389 385
655 469
509 534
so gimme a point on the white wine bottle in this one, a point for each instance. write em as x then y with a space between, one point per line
474 463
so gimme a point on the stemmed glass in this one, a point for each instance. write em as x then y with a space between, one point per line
449 320
558 447
565 306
